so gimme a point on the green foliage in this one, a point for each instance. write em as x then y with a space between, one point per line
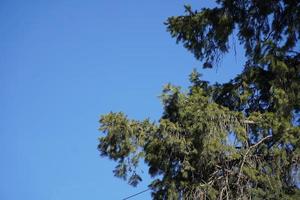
189 151
263 27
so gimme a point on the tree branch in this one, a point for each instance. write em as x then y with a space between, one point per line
246 154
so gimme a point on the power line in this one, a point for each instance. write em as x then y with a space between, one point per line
136 194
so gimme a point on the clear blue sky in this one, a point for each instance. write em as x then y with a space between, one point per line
63 64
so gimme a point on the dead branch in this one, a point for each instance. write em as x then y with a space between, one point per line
246 154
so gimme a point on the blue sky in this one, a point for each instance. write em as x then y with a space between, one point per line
65 63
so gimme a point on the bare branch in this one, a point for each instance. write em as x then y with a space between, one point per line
246 154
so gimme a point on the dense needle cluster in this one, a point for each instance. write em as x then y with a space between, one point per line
238 140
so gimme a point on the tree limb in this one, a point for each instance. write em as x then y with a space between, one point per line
246 154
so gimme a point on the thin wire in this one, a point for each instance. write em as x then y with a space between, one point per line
136 194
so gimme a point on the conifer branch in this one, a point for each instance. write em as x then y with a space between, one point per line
246 154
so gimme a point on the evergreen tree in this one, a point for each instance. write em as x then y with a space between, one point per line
238 140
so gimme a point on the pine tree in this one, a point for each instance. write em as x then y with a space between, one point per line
238 140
